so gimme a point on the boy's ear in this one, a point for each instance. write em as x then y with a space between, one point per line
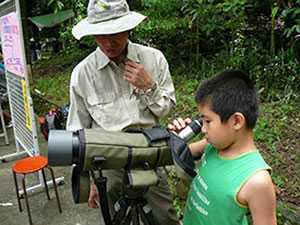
237 120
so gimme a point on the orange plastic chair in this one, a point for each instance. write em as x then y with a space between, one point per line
32 165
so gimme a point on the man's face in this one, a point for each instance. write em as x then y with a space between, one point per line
112 45
220 135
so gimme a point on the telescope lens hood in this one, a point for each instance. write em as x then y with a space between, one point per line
63 147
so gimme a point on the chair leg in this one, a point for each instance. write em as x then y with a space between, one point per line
45 183
55 188
26 200
17 191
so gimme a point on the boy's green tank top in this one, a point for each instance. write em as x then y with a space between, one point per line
212 196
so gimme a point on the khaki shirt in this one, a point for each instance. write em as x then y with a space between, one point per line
101 98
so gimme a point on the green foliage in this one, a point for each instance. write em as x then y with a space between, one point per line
288 214
291 16
211 36
51 79
275 126
79 7
162 9
50 65
209 15
57 5
164 28
207 36
186 104
55 88
273 119
160 33
276 76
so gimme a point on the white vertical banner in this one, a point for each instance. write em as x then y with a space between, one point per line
11 44
16 73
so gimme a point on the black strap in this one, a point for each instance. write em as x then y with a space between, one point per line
182 154
104 207
156 134
129 158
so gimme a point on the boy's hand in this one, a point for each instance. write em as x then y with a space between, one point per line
196 148
178 124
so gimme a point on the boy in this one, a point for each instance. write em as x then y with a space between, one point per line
233 179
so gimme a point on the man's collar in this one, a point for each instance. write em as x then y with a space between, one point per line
103 60
132 53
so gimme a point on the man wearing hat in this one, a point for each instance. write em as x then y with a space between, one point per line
121 85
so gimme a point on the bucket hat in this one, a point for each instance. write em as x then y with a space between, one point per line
107 17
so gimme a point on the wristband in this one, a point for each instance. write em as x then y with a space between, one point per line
151 90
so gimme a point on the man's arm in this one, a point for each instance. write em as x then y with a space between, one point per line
259 194
78 116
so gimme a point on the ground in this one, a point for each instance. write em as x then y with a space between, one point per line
288 149
43 211
277 132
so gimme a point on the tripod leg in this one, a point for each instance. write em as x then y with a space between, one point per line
135 215
101 186
128 218
146 214
120 211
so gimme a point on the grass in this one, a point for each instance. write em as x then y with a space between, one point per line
277 132
50 79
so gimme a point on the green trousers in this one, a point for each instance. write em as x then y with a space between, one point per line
158 197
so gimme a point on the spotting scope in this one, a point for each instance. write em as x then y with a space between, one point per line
67 147
144 149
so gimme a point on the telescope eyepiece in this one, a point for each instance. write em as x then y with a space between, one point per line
191 130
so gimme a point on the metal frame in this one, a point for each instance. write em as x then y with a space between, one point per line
16 86
7 7
26 137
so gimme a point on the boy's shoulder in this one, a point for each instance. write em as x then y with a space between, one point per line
256 187
258 194
260 180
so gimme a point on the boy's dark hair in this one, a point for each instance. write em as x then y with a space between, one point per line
229 92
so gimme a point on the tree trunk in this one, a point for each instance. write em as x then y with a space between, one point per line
25 30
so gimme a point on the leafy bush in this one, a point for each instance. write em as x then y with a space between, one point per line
291 16
288 214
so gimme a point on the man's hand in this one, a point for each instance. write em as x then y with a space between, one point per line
137 76
93 201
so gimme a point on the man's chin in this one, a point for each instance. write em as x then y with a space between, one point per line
112 54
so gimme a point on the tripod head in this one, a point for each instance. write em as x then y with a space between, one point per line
132 205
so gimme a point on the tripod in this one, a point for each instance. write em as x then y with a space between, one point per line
131 208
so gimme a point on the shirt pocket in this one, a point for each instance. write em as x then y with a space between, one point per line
102 108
